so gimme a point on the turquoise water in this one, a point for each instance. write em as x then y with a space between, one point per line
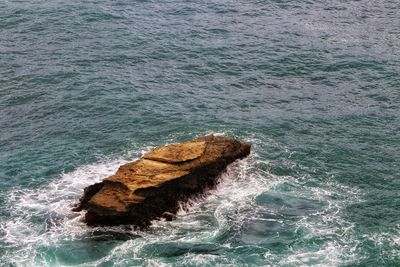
313 85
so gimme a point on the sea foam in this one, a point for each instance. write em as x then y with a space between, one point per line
208 229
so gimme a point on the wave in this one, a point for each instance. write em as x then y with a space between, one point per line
252 215
43 216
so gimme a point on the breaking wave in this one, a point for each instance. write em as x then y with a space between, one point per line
283 220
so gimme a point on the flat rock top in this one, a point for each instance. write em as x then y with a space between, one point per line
162 165
176 153
145 173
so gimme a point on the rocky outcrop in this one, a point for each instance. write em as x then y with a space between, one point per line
152 186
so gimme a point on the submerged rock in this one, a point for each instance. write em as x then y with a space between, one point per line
152 186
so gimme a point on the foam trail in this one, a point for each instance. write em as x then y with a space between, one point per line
236 194
43 216
212 224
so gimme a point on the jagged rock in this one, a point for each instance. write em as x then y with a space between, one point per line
152 186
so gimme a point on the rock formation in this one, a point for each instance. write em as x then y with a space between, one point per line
152 186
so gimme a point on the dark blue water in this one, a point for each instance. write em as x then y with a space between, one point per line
313 85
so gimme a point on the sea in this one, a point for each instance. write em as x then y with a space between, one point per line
313 86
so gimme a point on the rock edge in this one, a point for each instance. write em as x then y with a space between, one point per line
152 187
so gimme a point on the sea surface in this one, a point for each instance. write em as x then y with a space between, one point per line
314 86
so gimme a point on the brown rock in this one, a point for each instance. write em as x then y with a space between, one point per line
152 186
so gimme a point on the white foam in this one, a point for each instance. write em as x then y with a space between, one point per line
388 240
327 223
201 221
53 202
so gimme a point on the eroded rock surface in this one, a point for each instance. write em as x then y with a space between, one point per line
152 186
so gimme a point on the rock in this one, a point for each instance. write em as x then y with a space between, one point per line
152 187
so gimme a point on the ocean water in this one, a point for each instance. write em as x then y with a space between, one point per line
314 86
